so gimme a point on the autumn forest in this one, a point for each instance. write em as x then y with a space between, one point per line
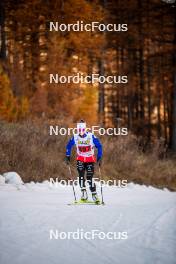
145 53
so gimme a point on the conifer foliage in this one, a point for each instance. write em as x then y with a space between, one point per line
145 53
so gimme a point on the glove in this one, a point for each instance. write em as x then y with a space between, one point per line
99 161
67 160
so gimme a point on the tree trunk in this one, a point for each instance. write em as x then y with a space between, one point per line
3 34
101 102
173 139
173 132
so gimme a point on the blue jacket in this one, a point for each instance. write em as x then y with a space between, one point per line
96 142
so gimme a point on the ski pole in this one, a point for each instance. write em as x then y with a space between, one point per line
102 201
72 184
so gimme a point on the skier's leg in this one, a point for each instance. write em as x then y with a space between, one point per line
92 186
89 176
81 172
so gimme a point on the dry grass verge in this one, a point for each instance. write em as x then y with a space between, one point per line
29 150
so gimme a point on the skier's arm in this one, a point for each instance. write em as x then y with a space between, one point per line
98 145
69 146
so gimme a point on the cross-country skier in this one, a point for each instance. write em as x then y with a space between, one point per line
85 143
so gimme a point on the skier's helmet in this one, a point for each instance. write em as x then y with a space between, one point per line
81 127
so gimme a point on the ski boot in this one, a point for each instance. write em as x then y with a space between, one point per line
95 198
84 195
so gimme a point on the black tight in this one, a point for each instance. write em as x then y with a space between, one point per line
89 168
